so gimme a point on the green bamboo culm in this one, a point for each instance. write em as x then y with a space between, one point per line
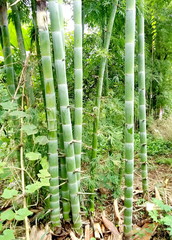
38 51
99 94
60 65
142 98
17 23
51 110
78 84
129 112
8 61
64 190
61 17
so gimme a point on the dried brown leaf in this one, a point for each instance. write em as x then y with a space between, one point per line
116 211
157 194
146 232
73 237
97 231
37 234
87 232
111 227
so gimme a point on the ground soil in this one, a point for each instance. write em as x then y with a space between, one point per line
160 186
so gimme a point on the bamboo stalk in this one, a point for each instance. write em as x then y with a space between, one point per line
59 55
142 99
51 110
63 175
99 91
77 6
38 51
8 61
129 112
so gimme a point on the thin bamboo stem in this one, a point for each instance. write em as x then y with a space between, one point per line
142 99
129 112
8 61
77 6
99 92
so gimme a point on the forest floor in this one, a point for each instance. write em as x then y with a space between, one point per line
160 187
107 222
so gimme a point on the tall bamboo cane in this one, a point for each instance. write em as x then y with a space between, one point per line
59 55
129 112
51 110
142 98
63 175
17 23
99 89
8 61
78 83
101 76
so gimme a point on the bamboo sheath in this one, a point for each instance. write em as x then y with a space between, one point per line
77 6
129 112
51 111
59 55
142 98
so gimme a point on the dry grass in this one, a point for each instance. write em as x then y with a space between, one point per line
162 128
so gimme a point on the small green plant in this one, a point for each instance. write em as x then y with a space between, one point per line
162 215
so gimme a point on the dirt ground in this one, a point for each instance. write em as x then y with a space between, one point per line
107 222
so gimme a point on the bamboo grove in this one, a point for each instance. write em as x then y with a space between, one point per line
59 173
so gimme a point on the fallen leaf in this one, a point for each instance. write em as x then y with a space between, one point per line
73 237
103 228
39 234
157 194
87 232
97 231
111 227
116 211
146 232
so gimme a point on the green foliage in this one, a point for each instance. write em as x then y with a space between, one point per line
162 215
18 215
33 156
156 146
29 129
9 193
8 234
